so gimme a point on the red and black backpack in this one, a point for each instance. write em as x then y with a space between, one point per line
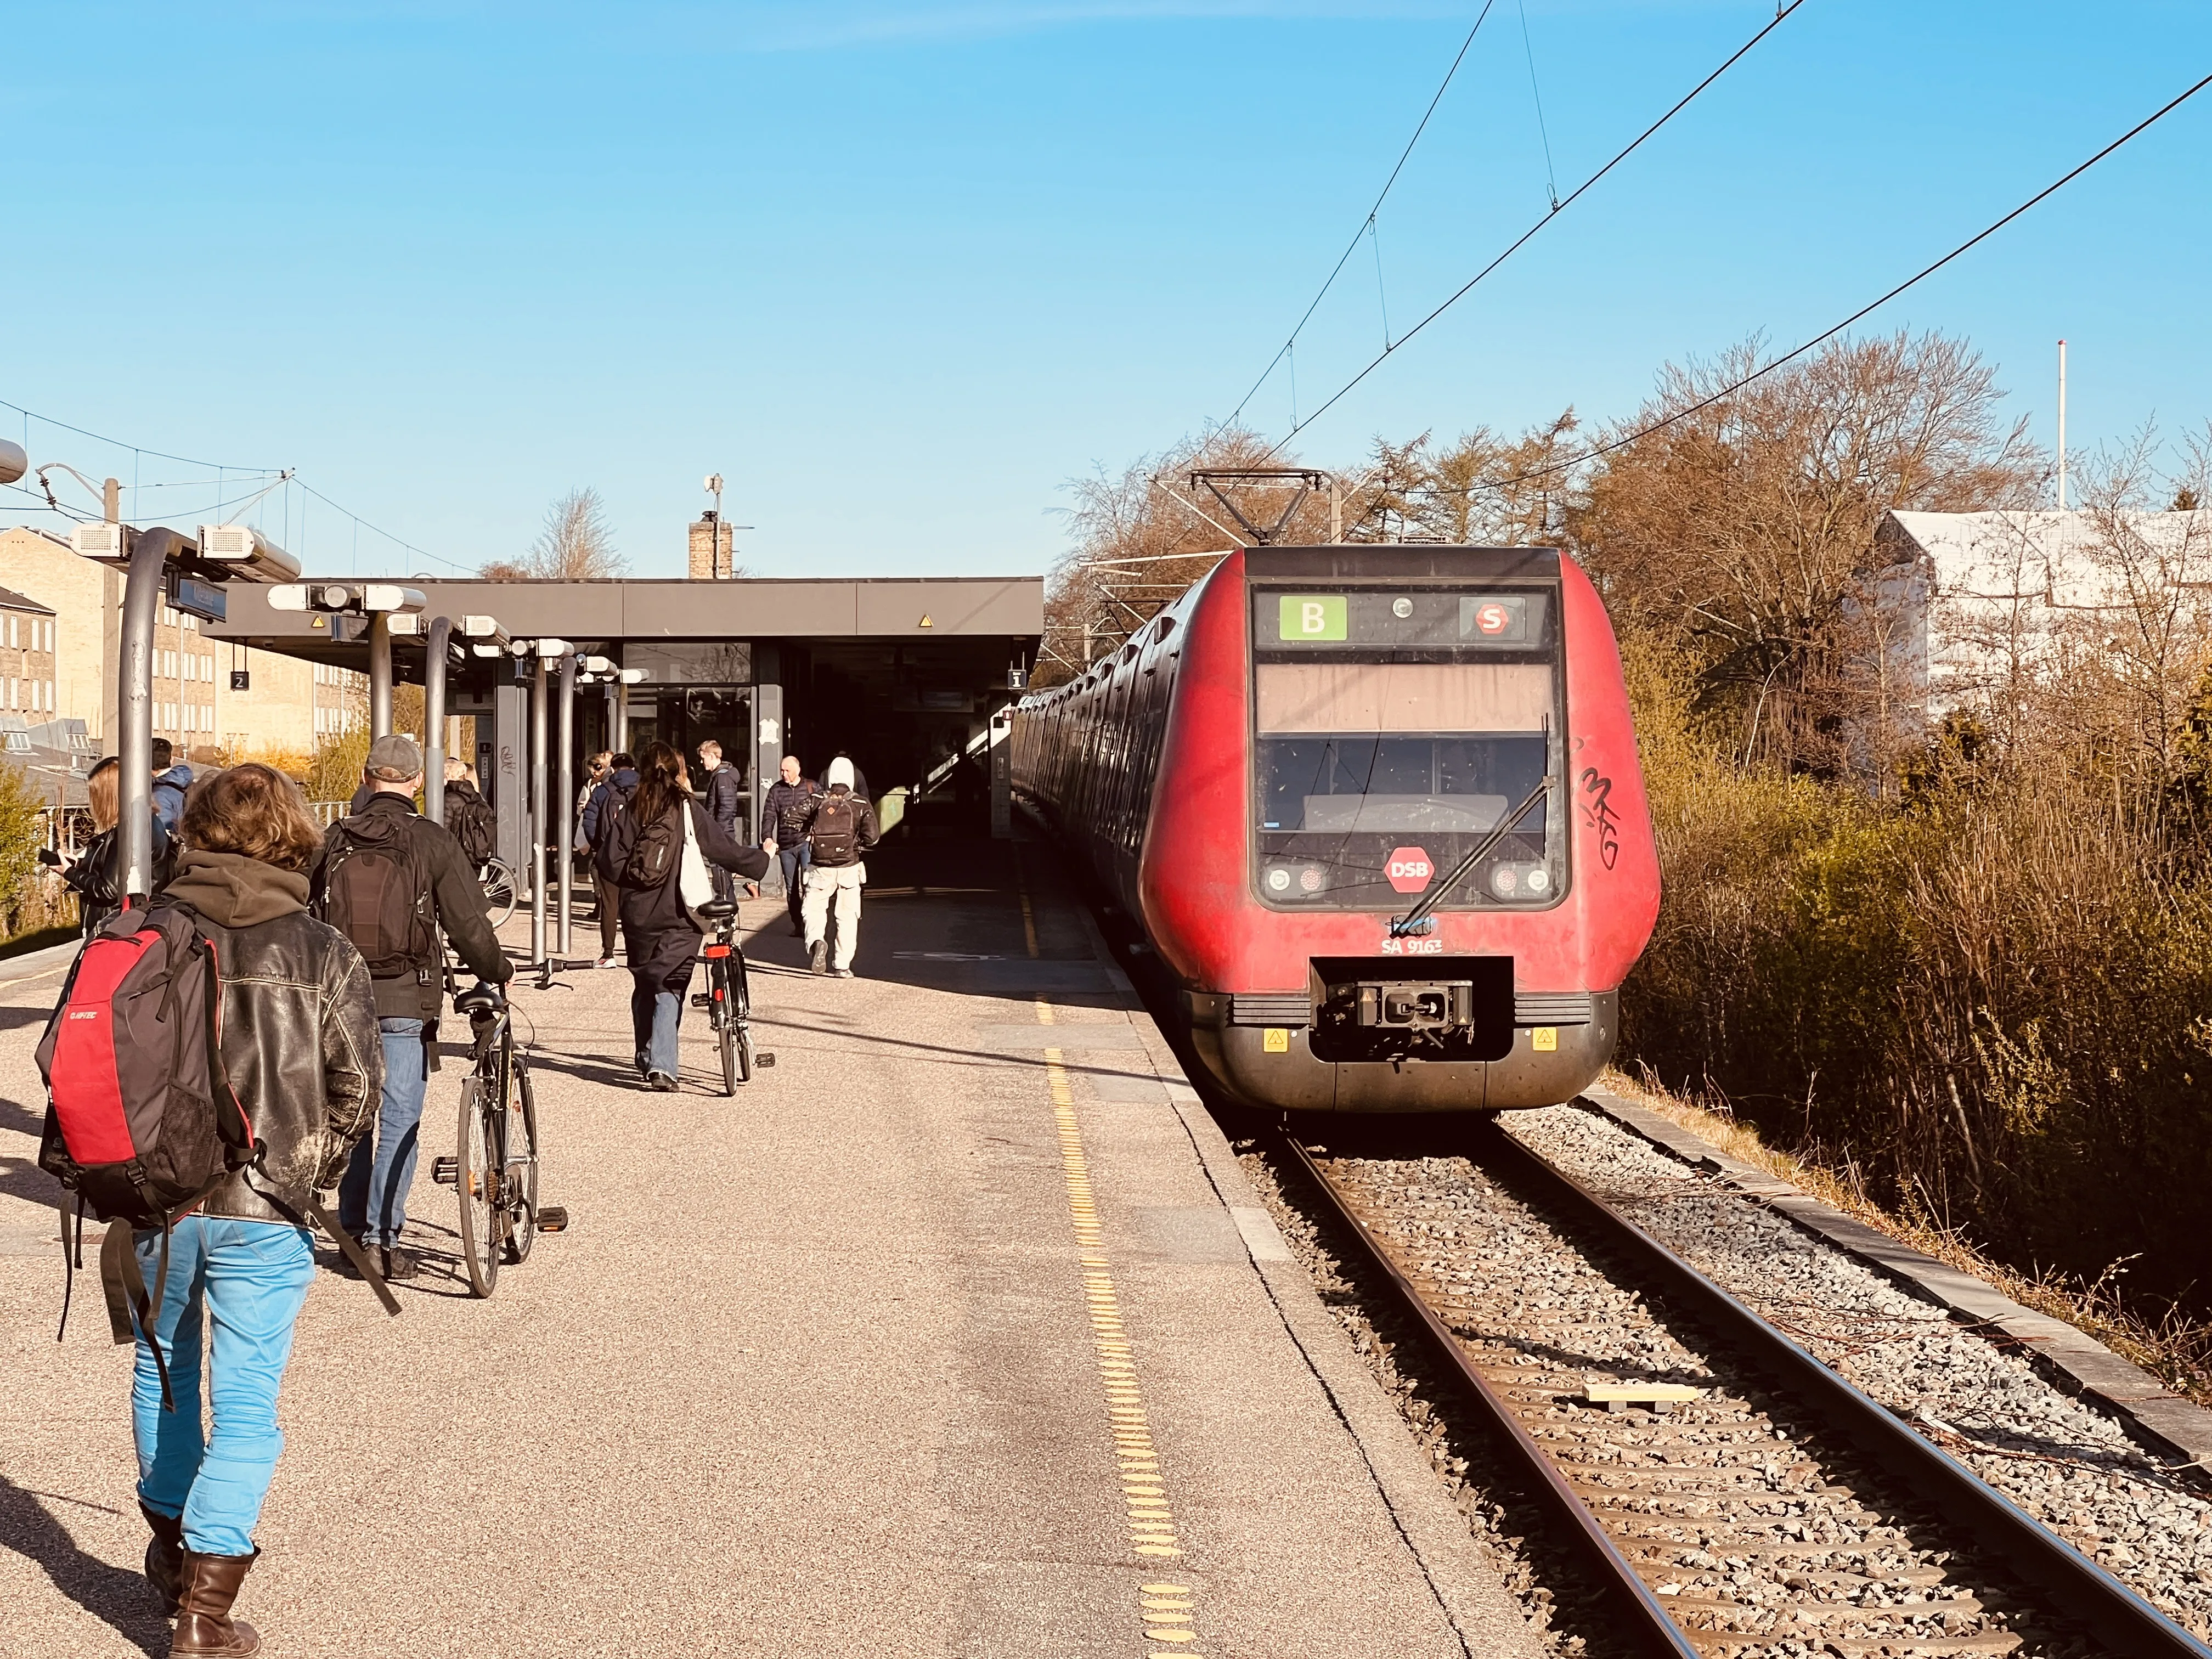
142 1122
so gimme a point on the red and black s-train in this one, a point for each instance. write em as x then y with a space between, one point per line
1274 775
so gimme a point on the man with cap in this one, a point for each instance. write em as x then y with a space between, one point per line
390 880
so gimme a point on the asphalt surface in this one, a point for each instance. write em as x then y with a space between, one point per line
952 1333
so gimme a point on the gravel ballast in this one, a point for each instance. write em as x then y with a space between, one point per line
2067 1464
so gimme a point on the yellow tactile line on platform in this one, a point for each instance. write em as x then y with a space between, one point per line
1166 1607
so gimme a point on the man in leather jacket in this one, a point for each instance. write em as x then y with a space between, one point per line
783 816
373 1197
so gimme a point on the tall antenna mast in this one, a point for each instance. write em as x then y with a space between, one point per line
2062 426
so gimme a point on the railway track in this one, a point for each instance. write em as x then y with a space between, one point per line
1729 1494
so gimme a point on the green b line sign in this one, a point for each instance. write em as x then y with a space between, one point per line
1312 617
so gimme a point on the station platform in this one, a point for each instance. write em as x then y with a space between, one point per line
958 1332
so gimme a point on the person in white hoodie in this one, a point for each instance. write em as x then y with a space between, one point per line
840 826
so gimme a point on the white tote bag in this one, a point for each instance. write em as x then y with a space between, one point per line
693 885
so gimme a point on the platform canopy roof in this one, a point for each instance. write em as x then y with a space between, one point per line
611 613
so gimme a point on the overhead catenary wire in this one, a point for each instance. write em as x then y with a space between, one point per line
1365 224
280 476
1728 391
1529 235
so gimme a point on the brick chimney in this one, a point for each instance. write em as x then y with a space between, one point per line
706 566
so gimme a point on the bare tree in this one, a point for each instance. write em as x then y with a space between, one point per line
1486 491
1141 538
1744 529
576 545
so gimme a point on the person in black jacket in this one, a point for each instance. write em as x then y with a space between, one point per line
659 926
725 788
299 1045
618 786
408 991
96 874
783 822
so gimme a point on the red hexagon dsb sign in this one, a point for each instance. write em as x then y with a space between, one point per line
1409 869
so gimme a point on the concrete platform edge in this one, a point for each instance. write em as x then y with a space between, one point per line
1467 1581
2175 1426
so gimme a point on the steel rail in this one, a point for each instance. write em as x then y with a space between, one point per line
1644 1620
2049 1567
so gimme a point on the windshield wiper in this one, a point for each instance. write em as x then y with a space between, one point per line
1402 927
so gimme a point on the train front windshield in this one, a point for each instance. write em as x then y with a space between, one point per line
1393 731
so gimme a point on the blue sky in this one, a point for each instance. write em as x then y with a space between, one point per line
900 271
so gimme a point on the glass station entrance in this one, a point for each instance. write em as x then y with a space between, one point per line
691 693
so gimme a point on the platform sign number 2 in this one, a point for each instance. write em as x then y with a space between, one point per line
1311 616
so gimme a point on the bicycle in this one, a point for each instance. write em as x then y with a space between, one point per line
728 996
496 1169
503 889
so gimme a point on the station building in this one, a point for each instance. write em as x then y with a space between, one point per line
911 677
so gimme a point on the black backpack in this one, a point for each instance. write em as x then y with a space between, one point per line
655 854
376 891
473 823
835 832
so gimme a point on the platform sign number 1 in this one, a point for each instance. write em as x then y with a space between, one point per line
1312 617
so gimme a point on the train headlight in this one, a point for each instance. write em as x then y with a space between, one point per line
1279 880
1505 881
1540 880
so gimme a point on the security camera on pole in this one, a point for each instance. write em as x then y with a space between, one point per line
373 603
187 571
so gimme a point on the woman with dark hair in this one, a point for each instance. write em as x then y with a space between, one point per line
655 847
300 1044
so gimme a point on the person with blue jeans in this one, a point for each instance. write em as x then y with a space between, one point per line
298 1025
660 932
783 817
407 975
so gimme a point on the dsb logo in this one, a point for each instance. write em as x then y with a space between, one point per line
1409 869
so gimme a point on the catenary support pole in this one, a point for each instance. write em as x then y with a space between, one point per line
538 815
434 718
134 704
379 674
564 794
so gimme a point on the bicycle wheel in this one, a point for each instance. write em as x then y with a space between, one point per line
521 1168
501 891
477 1180
726 1036
740 1007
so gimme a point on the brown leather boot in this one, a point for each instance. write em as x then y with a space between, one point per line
206 1629
165 1556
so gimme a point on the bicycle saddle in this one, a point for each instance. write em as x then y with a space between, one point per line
718 909
481 998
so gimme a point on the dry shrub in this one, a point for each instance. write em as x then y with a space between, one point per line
1986 999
